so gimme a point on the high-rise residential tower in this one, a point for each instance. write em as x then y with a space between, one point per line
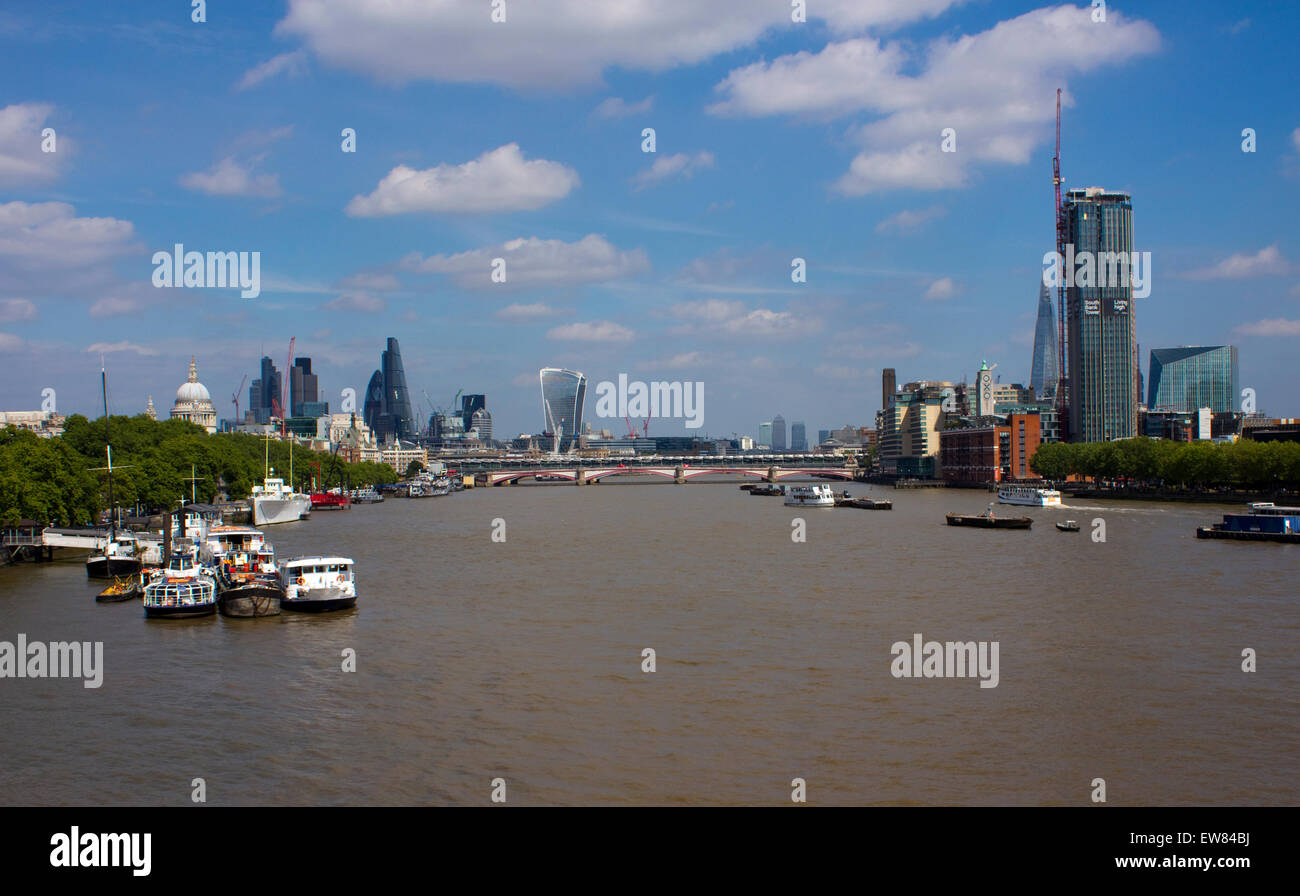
1043 371
563 394
1193 377
1101 345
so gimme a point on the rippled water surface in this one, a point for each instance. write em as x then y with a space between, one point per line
522 660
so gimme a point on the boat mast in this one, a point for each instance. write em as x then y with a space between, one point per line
108 449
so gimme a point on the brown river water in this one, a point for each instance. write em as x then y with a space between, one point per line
522 660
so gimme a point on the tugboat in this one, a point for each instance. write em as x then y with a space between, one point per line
987 520
247 581
317 584
184 590
123 588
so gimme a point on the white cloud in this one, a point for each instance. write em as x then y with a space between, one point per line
1277 326
105 348
48 237
940 290
616 107
996 89
293 64
532 261
230 178
11 343
12 310
364 280
910 220
736 319
498 180
1295 139
356 301
682 361
1265 262
840 372
22 163
592 331
526 312
548 44
114 306
682 164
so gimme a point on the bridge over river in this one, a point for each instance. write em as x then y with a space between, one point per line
584 471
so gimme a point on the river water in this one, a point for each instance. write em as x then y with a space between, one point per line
522 660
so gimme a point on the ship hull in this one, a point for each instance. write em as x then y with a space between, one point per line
102 567
983 522
270 511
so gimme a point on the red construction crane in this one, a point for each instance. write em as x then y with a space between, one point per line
285 394
1062 383
631 433
645 427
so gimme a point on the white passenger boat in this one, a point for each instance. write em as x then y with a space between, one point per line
274 502
1029 496
810 496
317 584
183 590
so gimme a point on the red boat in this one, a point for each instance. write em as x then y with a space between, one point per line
329 501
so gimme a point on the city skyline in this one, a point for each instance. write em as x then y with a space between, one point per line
674 265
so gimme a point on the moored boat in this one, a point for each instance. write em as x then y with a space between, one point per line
119 559
181 591
810 496
1068 526
317 584
329 501
1265 522
123 588
274 502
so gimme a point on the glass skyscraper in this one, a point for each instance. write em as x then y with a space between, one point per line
1192 377
1101 349
1043 373
563 394
778 433
388 405
798 436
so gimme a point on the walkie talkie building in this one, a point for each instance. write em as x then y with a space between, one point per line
563 392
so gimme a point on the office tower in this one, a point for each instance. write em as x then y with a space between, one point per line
302 386
563 394
778 433
888 386
1042 372
823 435
482 421
1192 377
1099 315
468 405
765 433
798 436
388 405
264 394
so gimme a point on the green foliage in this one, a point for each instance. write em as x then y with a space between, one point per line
414 468
1242 464
57 480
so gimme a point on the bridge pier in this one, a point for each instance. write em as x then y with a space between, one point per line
580 476
679 476
771 474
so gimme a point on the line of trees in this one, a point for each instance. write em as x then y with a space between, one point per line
1244 464
57 481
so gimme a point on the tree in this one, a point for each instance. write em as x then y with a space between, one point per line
414 468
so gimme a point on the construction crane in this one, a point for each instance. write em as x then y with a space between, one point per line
286 379
631 433
235 398
1062 383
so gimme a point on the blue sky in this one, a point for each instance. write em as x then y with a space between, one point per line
522 140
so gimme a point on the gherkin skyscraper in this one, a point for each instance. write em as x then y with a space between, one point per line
1043 373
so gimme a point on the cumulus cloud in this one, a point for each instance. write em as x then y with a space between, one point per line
591 331
616 107
106 348
367 280
548 44
534 311
736 319
12 310
680 165
499 180
48 236
356 301
231 178
531 261
114 306
940 290
11 343
22 163
293 64
1265 262
995 89
910 220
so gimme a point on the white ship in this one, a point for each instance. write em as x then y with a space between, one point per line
810 496
1029 496
275 502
